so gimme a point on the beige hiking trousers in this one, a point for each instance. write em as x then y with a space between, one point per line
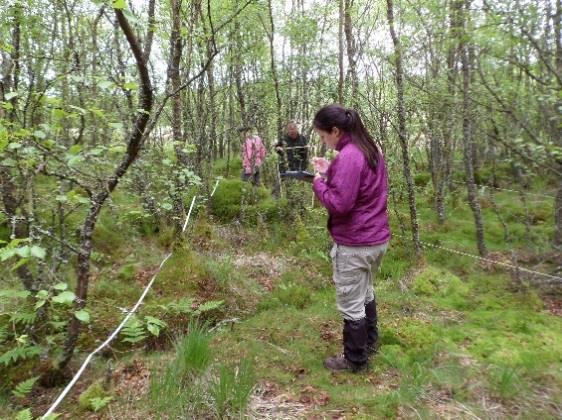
354 267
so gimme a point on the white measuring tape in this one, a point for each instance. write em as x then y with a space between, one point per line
123 322
489 260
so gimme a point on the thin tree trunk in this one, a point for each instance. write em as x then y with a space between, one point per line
176 46
134 144
270 36
402 130
558 41
340 52
351 53
468 140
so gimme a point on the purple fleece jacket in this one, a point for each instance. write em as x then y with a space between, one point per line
355 197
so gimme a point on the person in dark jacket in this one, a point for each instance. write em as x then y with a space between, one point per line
354 189
294 147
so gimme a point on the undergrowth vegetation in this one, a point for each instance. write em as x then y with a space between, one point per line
243 313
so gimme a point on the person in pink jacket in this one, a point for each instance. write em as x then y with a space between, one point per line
253 155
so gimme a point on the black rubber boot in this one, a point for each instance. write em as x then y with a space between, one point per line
355 342
354 357
372 330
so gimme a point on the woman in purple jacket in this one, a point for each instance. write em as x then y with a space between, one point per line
354 189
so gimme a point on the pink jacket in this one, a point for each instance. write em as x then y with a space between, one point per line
253 154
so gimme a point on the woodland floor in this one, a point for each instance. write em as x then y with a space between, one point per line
459 338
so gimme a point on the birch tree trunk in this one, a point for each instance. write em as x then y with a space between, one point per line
402 129
134 143
467 123
340 52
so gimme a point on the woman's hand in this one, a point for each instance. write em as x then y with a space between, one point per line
321 165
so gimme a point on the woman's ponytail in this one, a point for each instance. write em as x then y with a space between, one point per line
349 121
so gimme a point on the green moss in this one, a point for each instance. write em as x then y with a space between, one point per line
433 280
181 272
422 179
288 294
224 167
127 272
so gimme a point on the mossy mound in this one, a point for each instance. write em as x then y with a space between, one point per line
236 199
438 281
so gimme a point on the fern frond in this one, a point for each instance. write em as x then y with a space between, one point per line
19 353
24 415
208 306
133 331
97 403
24 318
25 387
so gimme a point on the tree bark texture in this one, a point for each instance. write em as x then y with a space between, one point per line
402 129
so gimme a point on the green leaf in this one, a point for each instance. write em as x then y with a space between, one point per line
24 251
119 4
74 150
153 329
10 95
167 206
65 297
42 294
60 286
38 252
21 262
14 293
39 134
130 85
40 303
153 325
82 315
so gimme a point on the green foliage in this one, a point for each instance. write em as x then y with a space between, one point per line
193 354
98 403
24 415
94 398
289 294
127 272
231 389
422 179
235 199
19 353
232 167
505 381
166 393
433 280
136 330
24 388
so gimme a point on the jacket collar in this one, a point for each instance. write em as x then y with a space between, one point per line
344 141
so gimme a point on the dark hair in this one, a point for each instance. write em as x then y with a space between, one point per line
348 121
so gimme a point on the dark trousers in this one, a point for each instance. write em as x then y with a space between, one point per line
253 178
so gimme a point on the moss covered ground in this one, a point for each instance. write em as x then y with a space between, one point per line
459 338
